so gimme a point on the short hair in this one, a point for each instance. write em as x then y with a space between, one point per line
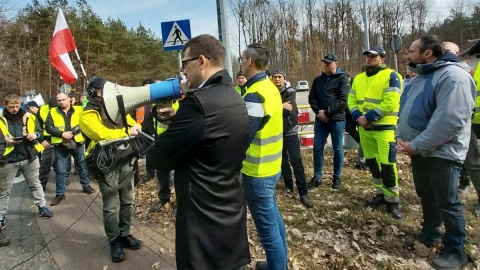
240 74
13 98
207 46
431 42
259 55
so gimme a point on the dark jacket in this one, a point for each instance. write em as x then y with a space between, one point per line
206 143
329 93
290 118
24 150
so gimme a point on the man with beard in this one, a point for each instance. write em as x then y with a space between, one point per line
434 130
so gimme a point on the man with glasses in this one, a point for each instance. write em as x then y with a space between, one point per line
205 143
374 102
63 124
261 167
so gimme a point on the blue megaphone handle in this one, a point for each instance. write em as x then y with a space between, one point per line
169 88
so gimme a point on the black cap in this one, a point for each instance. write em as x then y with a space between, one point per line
96 83
280 71
32 103
377 50
329 58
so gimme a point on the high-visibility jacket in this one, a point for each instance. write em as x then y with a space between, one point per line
161 127
29 122
476 77
4 129
374 93
43 112
59 122
264 155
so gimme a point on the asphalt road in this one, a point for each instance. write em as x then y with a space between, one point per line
27 249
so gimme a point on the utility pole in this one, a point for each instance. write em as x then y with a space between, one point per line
223 34
365 22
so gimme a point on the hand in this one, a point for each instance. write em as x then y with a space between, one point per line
362 121
322 116
134 130
31 136
45 144
164 112
287 106
11 142
406 147
67 135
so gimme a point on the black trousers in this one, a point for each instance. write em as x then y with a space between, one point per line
291 156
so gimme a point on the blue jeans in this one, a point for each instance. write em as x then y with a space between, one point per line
62 158
322 130
260 197
436 183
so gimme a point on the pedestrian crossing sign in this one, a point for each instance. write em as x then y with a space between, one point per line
175 34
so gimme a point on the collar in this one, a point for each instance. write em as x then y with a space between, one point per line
260 76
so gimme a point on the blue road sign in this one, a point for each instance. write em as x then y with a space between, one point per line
175 34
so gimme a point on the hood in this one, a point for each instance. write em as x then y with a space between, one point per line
447 59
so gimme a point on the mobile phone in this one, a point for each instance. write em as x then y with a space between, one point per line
18 138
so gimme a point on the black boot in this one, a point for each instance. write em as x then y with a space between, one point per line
375 201
394 210
337 183
116 250
131 242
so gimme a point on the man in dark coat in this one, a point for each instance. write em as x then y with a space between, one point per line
205 143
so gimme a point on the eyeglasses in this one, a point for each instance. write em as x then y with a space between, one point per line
185 62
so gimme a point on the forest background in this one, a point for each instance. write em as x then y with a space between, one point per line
297 32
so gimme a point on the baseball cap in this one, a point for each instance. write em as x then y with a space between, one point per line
329 58
376 50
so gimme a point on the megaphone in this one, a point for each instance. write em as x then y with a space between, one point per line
135 97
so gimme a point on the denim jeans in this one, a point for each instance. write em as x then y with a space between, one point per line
29 170
117 203
260 197
436 183
291 156
62 158
322 130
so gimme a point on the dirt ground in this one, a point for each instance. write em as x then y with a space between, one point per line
339 232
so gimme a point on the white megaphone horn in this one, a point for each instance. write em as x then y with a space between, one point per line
135 97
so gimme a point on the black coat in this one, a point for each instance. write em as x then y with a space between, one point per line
290 118
329 93
206 143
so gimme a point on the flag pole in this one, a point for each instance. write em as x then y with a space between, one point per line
81 64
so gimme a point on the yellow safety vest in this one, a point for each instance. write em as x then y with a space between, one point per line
476 114
4 129
264 155
374 93
43 112
59 123
161 127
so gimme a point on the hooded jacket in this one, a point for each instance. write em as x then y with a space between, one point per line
206 143
290 118
329 93
436 108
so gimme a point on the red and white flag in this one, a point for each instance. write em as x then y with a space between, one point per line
62 44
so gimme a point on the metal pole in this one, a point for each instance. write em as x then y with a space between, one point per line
223 34
180 63
365 22
254 29
395 62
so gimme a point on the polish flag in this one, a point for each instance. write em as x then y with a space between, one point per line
62 44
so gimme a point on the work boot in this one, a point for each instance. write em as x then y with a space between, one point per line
157 206
88 190
306 201
394 210
410 243
116 250
261 265
376 201
131 242
314 183
4 240
58 199
450 260
337 183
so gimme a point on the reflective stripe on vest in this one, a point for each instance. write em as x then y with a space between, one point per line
58 122
140 115
370 93
30 124
264 155
6 134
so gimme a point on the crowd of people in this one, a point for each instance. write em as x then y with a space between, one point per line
238 141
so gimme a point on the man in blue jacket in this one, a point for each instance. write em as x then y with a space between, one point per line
434 130
328 100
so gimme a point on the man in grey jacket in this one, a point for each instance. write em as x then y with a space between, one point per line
434 130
